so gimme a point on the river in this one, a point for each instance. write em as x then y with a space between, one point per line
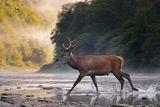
148 85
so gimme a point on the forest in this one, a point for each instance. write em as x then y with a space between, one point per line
130 28
17 50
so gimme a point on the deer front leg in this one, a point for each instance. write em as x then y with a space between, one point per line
121 80
127 76
75 83
94 81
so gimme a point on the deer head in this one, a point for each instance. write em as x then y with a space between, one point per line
65 56
72 44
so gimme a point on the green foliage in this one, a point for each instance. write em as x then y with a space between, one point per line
130 28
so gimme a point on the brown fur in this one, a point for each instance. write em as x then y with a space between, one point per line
98 64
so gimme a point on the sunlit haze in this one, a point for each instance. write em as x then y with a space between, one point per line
50 10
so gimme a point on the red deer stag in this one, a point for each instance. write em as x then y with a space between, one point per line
94 65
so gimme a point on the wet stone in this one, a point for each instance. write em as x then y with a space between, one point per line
23 105
6 94
5 104
42 100
29 95
48 88
40 86
150 105
11 98
18 87
121 105
6 89
84 105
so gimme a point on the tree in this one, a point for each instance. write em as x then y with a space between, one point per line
129 28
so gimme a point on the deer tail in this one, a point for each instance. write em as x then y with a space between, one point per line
121 60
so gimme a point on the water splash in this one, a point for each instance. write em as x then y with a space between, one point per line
150 93
151 89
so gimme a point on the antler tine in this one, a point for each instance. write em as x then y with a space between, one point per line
72 40
70 44
69 39
75 42
64 46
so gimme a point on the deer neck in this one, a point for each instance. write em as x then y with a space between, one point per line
72 61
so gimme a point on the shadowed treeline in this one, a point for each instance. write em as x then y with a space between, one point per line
130 28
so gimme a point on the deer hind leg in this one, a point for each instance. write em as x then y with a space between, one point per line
94 81
119 77
127 76
75 83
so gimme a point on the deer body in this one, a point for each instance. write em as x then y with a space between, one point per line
95 65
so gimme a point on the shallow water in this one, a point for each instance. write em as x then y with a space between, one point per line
85 92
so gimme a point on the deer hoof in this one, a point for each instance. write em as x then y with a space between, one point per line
134 89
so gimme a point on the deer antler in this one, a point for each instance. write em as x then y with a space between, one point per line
69 39
71 44
64 46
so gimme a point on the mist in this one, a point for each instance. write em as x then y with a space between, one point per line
49 11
